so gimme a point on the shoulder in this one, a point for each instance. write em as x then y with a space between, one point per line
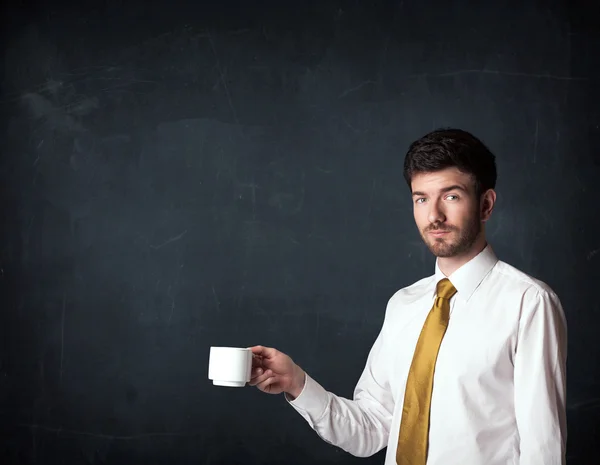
405 300
517 281
409 295
531 297
539 311
414 291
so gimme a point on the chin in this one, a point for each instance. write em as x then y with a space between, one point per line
442 249
443 252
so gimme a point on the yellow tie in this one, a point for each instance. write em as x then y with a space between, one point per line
414 426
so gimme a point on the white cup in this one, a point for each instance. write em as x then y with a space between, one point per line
229 366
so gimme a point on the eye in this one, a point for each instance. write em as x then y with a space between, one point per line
452 195
419 200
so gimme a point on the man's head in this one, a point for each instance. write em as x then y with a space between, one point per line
452 176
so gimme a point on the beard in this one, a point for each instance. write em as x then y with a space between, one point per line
445 247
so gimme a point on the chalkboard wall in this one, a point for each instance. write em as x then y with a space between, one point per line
176 175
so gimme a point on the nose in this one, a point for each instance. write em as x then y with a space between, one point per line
436 214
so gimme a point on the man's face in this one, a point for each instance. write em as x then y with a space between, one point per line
447 211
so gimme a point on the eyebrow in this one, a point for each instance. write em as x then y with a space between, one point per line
443 190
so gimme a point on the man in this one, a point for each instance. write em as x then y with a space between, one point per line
469 367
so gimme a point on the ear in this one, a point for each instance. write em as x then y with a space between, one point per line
488 200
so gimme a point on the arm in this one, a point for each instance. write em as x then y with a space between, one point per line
360 426
540 379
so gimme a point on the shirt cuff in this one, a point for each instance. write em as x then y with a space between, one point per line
312 402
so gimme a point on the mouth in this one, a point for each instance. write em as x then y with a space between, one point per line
438 233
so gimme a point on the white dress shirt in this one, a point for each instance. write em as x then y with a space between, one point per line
500 378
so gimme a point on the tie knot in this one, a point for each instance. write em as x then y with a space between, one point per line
445 289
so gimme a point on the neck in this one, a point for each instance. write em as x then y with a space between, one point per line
449 265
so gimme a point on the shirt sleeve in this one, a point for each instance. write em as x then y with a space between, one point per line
359 426
540 380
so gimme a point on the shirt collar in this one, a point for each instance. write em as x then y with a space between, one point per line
468 277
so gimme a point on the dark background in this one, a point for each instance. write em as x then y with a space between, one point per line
177 175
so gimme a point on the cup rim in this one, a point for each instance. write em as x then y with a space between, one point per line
230 348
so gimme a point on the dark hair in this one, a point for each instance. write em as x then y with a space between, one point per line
449 147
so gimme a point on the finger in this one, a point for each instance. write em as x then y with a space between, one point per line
266 352
266 384
261 378
257 361
260 372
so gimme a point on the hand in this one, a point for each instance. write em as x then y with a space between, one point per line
274 372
